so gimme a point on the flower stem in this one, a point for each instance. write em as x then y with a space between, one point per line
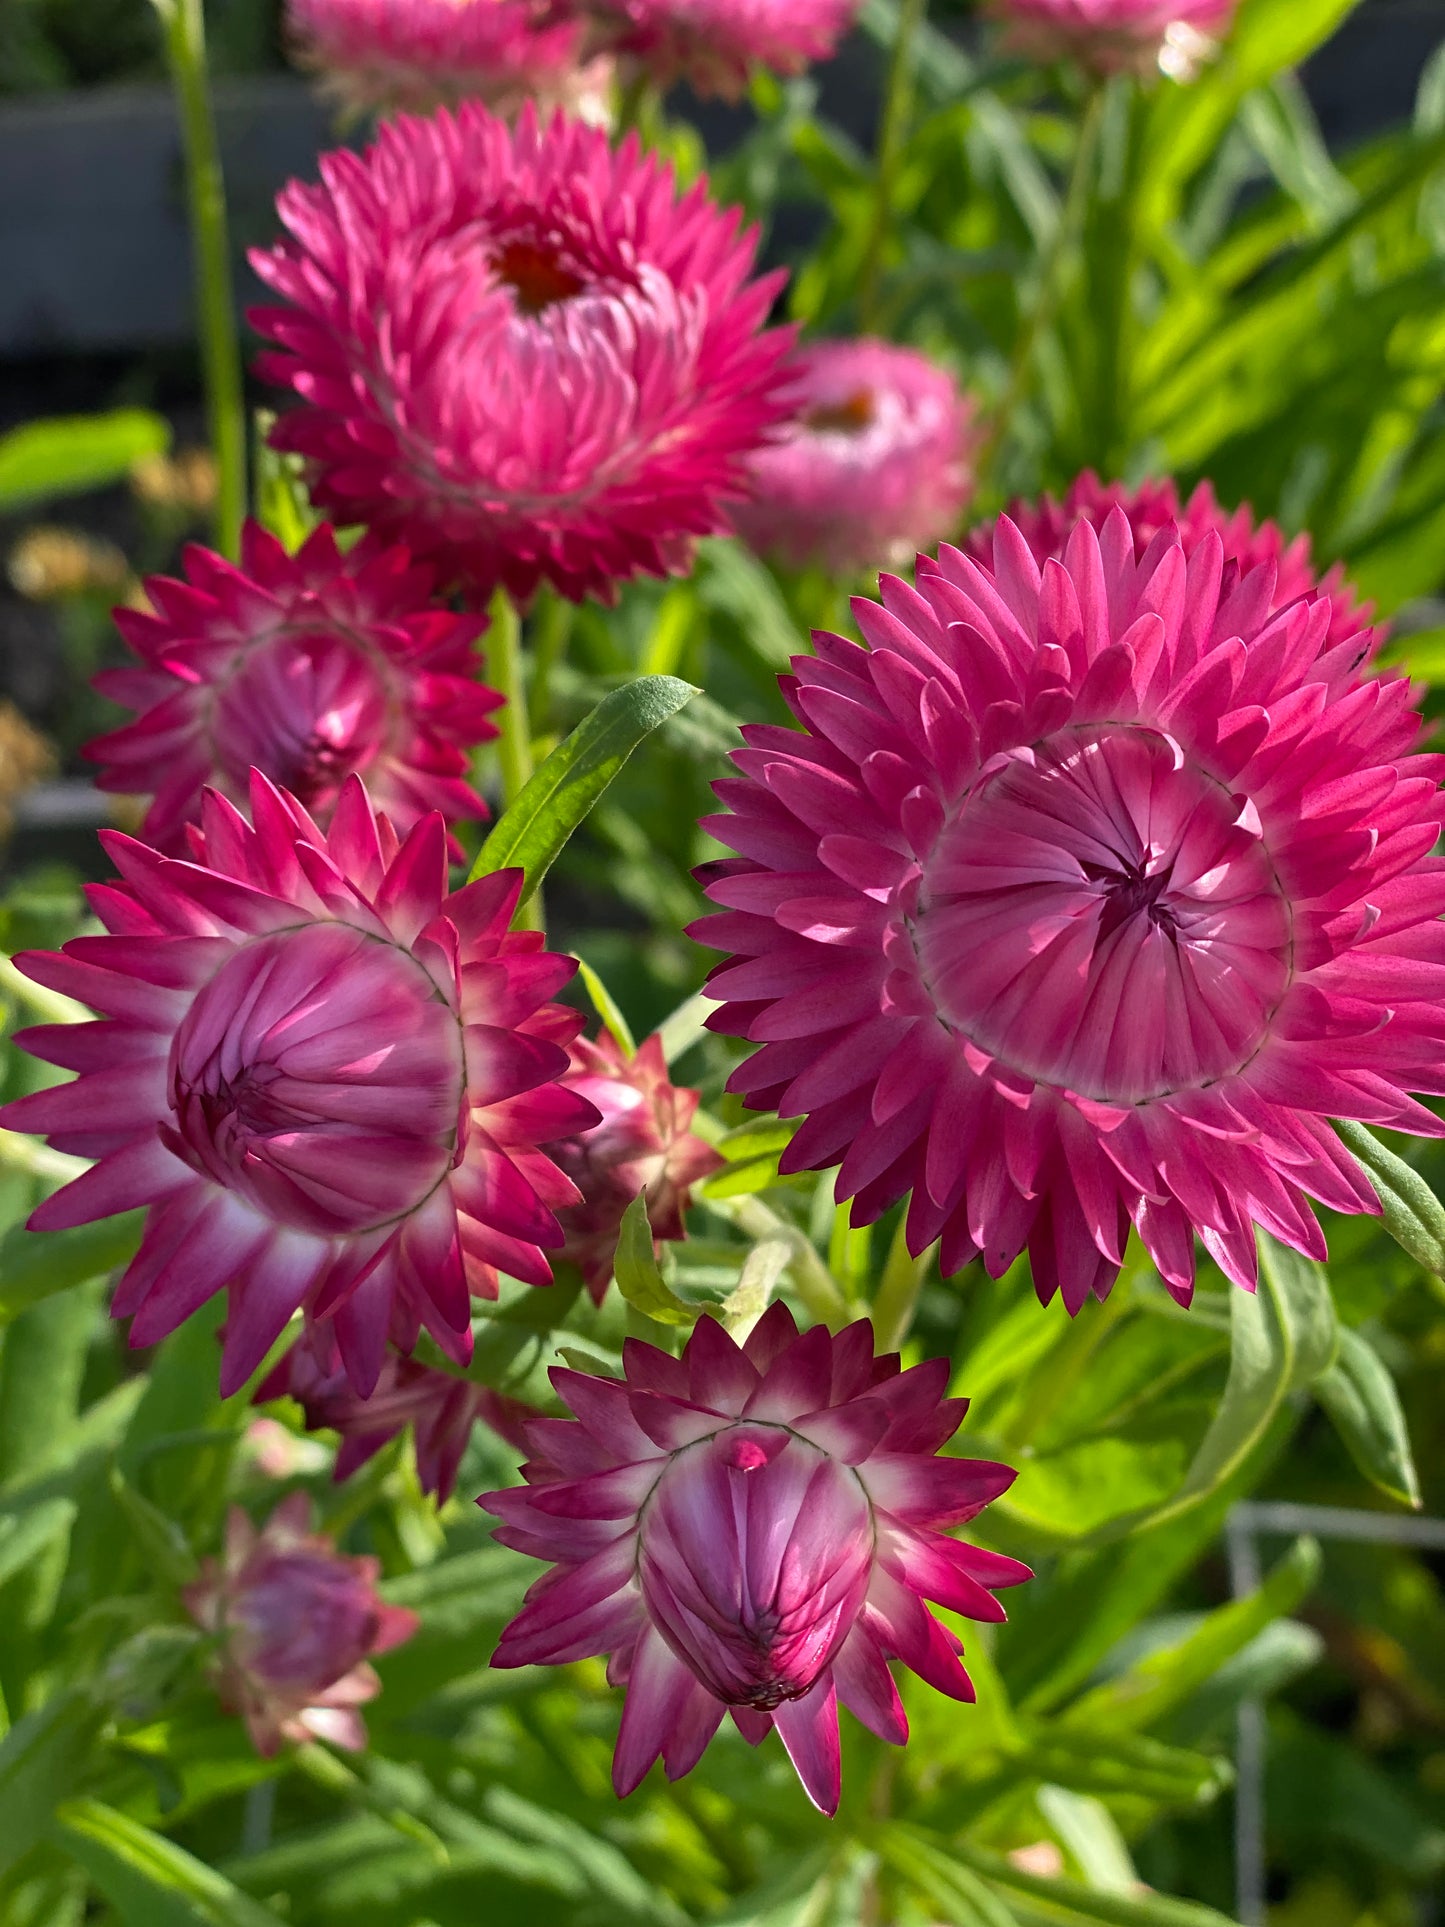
185 33
898 1291
1052 268
812 1280
551 633
892 135
514 741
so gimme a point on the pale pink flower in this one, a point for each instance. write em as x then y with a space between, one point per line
715 44
642 1144
325 1075
1046 526
1116 36
420 54
521 351
1087 897
310 668
752 1530
873 466
296 1623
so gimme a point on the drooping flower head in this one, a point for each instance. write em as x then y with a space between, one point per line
521 351
1117 36
715 44
310 668
642 1144
441 1410
752 1529
297 1622
326 1076
873 466
1087 896
1046 526
420 54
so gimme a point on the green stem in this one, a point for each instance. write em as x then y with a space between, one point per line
892 137
551 633
514 742
185 31
813 1281
898 1291
1050 288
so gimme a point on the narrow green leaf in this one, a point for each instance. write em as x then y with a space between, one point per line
607 1009
532 833
1081 1906
1364 1406
762 1268
149 1880
24 1534
1090 1836
938 1877
159 1540
283 505
70 454
638 1277
1413 1215
36 1264
42 1759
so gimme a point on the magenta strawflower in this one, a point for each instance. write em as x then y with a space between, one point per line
642 1144
309 668
420 54
326 1076
715 44
874 464
297 1623
1046 525
520 351
1087 897
752 1530
1115 36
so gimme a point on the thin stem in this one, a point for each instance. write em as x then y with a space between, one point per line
898 1291
892 136
551 633
514 742
1050 288
185 31
815 1284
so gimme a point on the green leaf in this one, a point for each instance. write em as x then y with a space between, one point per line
36 1264
1081 1906
1090 1836
24 1534
938 1877
1412 1214
283 505
159 1540
42 1759
149 1880
1364 1406
638 1277
70 454
606 1007
533 832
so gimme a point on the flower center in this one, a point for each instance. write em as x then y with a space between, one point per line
535 274
847 417
320 1074
1103 915
308 710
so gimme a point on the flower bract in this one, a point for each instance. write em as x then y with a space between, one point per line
1112 36
716 44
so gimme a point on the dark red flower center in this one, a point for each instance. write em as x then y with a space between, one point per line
847 417
535 274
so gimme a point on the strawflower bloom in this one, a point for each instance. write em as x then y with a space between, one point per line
1046 525
715 44
873 466
1116 36
643 1143
1087 896
419 54
326 1076
752 1529
297 1623
520 351
310 668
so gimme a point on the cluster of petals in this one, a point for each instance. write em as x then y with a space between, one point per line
310 668
1113 36
441 1409
520 351
1087 895
642 1146
873 466
326 1075
752 1530
420 54
716 44
296 1623
1046 525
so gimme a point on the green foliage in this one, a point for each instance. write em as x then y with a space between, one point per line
75 453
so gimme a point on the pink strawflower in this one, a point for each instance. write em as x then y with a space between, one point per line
1117 36
309 668
642 1144
715 44
441 1410
326 1077
873 466
420 54
520 351
752 1530
297 1622
1046 526
1087 897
